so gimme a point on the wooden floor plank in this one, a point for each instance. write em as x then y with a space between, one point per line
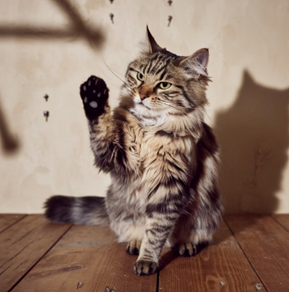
88 257
23 244
220 267
266 245
7 220
283 219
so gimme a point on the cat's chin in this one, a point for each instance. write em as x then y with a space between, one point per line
142 106
147 116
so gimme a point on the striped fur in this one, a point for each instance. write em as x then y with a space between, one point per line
162 158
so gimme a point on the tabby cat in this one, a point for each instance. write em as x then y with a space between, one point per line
160 154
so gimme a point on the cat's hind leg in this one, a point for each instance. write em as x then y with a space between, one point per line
133 246
194 230
196 226
188 239
190 249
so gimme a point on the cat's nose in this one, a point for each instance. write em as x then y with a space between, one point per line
142 96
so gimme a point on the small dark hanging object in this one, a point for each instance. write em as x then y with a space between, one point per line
111 1
111 17
46 115
170 2
46 97
170 19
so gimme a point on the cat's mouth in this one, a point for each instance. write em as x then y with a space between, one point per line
139 101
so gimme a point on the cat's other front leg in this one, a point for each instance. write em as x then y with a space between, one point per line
157 230
94 95
167 197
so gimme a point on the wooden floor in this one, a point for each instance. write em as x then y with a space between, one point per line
249 253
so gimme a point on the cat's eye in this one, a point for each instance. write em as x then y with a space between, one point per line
140 77
165 85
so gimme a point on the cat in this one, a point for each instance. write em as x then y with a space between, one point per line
162 158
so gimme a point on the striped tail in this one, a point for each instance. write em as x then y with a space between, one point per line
77 210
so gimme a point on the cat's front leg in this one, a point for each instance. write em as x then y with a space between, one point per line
158 227
104 138
167 199
94 95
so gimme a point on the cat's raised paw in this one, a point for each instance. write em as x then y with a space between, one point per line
189 249
94 94
133 247
142 267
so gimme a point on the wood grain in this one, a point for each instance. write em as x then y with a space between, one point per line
23 244
220 267
282 219
7 220
89 258
266 245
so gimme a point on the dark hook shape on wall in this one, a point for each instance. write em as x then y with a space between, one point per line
170 2
170 19
111 1
111 17
46 115
46 97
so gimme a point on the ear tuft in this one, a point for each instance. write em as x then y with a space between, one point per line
197 63
202 57
153 46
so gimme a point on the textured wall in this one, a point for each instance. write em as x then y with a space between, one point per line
50 47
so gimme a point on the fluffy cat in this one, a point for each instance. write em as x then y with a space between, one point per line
160 154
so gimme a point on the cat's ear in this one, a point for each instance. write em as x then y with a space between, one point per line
153 46
197 63
247 78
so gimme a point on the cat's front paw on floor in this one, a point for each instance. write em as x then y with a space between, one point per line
142 267
94 94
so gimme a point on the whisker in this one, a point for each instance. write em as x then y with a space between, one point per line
112 70
195 108
161 101
130 90
208 117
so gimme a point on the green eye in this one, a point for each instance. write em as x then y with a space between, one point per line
140 77
165 85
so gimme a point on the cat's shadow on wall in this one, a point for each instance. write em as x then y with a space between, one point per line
253 136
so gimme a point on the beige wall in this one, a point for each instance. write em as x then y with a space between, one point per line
49 47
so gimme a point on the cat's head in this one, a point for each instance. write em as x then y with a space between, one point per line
161 83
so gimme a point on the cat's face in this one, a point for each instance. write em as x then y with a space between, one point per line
157 84
162 83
